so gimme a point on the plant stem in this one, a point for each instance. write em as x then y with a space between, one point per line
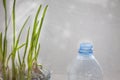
14 25
5 41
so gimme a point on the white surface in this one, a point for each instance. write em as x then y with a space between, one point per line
69 22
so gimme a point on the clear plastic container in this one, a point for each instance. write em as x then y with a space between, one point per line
85 66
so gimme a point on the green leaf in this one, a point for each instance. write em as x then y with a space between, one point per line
41 23
8 58
19 59
26 46
21 46
38 51
4 57
1 54
4 4
4 50
13 20
36 54
21 31
43 16
35 27
36 20
16 45
39 30
5 9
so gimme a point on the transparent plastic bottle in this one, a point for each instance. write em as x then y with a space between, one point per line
85 66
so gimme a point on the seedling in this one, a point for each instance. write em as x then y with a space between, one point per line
31 47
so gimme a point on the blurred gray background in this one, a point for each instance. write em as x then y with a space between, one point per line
69 22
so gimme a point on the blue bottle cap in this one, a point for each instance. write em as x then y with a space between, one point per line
86 48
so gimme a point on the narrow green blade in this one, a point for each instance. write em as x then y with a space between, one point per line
26 46
18 39
19 58
4 4
1 54
13 20
22 45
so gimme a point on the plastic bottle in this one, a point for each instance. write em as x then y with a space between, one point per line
85 66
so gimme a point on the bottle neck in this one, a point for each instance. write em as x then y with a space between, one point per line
85 57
